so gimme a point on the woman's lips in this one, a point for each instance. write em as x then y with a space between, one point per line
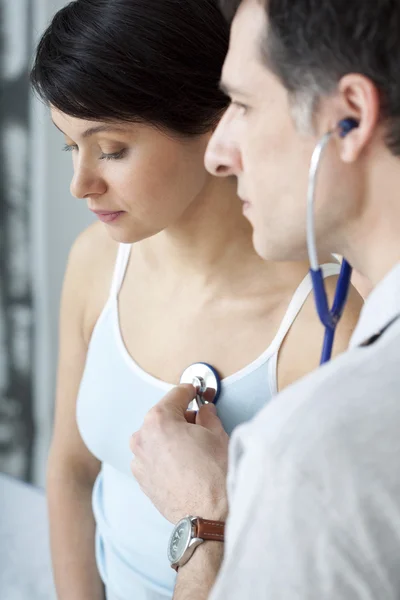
108 216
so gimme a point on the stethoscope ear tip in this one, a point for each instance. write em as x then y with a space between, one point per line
347 125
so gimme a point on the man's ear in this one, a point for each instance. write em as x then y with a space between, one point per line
359 100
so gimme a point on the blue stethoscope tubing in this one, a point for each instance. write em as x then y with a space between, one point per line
329 317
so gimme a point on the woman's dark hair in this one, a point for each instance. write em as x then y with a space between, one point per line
312 44
229 8
153 61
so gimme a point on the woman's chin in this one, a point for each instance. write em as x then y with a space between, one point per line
124 235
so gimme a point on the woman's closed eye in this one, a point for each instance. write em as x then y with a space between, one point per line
104 155
114 155
70 147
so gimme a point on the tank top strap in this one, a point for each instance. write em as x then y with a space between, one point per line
124 252
298 300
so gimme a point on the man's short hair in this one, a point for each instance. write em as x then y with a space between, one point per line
311 44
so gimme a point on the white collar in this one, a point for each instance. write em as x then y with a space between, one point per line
381 307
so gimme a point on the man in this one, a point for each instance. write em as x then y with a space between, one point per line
314 484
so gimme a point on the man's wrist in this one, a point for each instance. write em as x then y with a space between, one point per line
209 555
197 577
190 533
218 511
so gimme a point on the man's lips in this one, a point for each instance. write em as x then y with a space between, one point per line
246 204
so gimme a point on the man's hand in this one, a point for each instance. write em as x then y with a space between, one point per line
181 466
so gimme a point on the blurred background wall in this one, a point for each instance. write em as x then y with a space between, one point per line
38 223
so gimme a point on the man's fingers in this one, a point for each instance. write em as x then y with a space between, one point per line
135 442
190 416
207 417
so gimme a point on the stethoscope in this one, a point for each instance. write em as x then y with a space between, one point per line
203 376
206 381
329 317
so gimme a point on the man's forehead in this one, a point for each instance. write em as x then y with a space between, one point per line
250 20
244 58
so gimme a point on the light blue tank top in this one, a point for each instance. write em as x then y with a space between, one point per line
114 397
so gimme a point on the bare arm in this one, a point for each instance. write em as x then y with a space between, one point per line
197 577
72 469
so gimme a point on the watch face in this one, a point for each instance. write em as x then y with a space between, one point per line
179 540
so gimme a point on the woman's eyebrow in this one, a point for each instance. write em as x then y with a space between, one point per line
97 129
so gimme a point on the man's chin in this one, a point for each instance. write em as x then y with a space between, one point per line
270 250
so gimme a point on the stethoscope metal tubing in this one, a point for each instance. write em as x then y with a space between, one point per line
328 317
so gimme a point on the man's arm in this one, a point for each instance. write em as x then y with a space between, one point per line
197 577
303 525
189 476
295 531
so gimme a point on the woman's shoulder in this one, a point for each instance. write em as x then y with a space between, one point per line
300 352
92 247
89 272
350 317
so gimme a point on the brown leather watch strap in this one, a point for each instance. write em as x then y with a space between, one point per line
210 530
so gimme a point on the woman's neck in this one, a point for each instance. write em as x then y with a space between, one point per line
206 237
212 243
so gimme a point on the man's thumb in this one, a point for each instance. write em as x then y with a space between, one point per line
179 398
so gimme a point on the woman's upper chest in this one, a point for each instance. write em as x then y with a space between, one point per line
165 328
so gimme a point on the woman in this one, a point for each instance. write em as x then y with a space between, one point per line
133 85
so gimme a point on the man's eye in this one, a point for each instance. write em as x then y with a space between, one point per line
242 108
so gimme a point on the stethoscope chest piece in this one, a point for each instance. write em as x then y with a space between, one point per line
206 381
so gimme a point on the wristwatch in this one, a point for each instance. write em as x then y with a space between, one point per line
189 533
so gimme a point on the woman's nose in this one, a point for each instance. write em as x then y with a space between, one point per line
86 183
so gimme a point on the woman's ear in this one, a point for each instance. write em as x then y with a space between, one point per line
359 100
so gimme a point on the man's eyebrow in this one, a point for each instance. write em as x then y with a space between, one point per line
97 129
229 89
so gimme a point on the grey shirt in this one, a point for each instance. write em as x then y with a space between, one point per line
314 479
